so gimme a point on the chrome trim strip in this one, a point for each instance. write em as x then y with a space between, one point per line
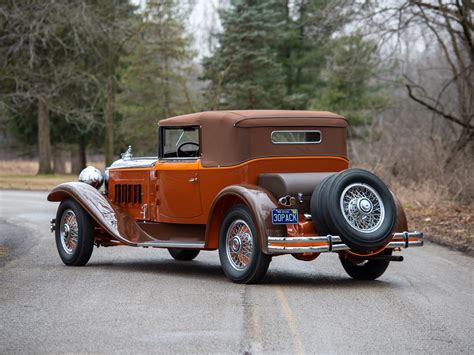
179 159
184 245
404 235
296 250
335 239
138 162
413 243
334 243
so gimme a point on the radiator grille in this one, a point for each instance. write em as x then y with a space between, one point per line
126 193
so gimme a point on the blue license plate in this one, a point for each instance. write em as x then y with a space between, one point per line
280 216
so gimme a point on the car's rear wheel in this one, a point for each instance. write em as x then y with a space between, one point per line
74 233
360 269
356 205
239 250
183 254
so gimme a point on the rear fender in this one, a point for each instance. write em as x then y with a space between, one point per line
260 203
401 224
105 213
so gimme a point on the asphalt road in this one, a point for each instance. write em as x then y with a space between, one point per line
132 300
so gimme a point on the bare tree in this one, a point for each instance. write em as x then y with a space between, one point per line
41 43
447 26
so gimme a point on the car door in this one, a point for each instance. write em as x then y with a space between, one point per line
178 174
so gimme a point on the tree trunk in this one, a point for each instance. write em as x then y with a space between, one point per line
75 160
109 122
166 88
59 160
44 143
464 144
82 153
78 157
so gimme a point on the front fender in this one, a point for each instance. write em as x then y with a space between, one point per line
260 203
105 213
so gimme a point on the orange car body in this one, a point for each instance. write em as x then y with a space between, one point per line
179 202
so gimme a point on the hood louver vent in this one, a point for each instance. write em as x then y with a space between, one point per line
128 194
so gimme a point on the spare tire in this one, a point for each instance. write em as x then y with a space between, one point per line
318 205
357 206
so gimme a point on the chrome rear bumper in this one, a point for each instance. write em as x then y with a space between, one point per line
331 243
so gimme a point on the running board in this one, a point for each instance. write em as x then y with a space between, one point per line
178 245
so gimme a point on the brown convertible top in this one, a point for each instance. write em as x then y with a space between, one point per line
257 118
227 140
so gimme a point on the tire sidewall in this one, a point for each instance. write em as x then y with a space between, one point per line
238 212
85 238
317 204
371 270
183 254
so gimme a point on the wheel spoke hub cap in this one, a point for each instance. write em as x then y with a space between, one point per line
239 244
69 231
362 207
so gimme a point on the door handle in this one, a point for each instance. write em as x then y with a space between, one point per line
193 179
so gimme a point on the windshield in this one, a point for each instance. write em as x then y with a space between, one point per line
180 142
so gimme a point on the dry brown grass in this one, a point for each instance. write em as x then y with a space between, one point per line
30 167
17 166
447 224
33 182
22 175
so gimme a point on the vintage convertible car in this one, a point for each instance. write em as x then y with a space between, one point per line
251 184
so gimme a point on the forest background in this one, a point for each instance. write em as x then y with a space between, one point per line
82 80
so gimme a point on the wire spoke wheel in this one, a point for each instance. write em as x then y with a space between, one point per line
74 233
239 244
69 231
240 254
356 205
362 207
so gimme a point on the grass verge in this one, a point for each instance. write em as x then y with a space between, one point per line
33 182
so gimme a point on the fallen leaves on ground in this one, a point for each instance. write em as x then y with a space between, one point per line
444 223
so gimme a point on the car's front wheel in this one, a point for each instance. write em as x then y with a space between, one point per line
239 250
74 233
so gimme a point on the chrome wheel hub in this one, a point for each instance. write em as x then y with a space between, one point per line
239 244
236 244
362 207
69 231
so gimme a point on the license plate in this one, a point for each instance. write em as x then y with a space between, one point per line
280 216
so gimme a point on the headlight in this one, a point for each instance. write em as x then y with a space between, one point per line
91 176
106 181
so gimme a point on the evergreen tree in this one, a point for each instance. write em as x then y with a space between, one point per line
326 69
349 87
244 71
155 79
304 46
